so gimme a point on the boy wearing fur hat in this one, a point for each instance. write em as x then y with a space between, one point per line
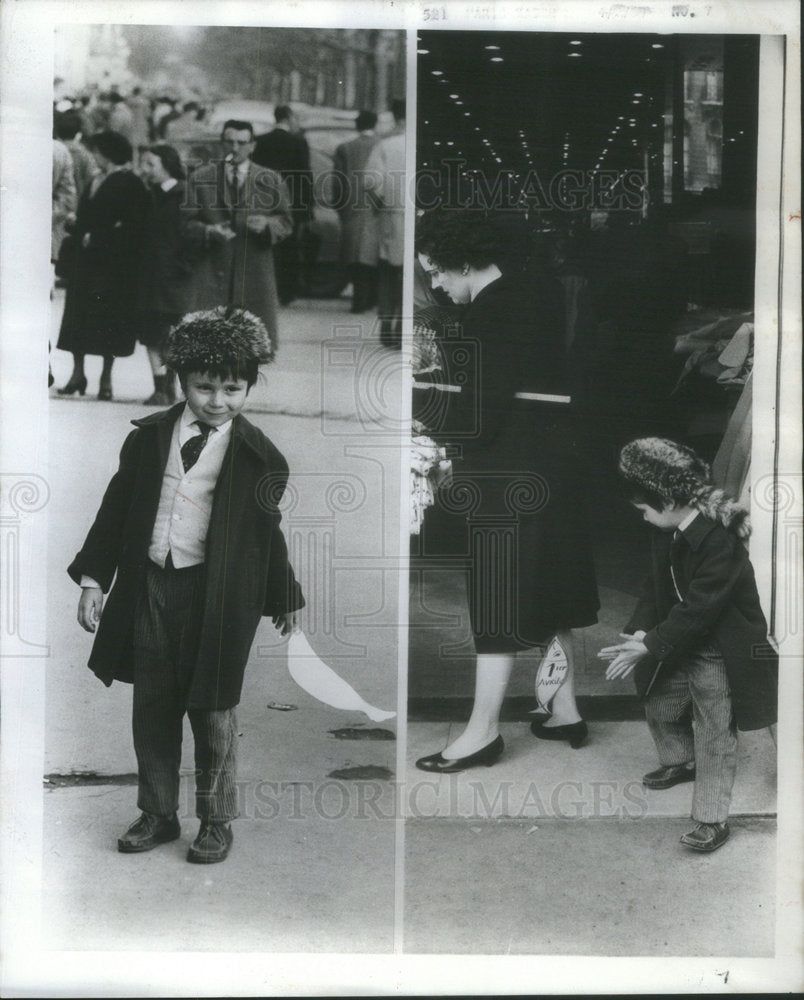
189 525
697 641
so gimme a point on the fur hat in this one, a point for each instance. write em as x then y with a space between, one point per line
677 475
215 338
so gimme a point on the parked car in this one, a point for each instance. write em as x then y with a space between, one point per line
323 276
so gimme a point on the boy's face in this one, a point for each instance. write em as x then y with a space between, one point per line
666 519
214 400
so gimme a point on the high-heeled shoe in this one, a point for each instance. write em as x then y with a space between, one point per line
78 385
105 390
487 755
574 734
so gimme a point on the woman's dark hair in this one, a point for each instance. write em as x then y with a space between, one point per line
113 146
248 370
454 237
67 125
169 158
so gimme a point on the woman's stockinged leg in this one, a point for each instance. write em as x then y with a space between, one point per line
492 673
155 359
565 711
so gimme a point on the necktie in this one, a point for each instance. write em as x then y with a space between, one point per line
233 180
193 447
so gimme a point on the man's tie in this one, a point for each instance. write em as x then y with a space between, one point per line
233 182
193 446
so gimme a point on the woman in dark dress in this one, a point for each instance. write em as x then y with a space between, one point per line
517 481
163 295
100 306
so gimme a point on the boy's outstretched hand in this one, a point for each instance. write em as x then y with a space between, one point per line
624 656
287 623
90 606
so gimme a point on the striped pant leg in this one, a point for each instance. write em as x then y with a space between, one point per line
670 721
158 711
715 736
215 735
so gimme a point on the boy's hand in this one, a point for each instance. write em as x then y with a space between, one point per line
287 623
624 657
89 608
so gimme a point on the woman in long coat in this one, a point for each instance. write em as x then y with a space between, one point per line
166 265
100 306
517 481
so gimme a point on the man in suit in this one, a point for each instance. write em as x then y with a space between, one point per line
359 223
237 214
286 151
385 182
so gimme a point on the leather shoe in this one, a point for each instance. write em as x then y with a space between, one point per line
147 832
575 734
706 836
212 844
488 755
666 777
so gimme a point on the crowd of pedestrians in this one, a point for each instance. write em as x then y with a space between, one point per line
138 244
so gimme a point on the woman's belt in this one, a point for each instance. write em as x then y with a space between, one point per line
534 397
542 397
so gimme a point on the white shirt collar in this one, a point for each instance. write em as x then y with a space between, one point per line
169 184
688 520
188 425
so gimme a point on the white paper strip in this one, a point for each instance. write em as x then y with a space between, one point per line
321 681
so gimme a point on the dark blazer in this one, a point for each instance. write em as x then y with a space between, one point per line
290 155
166 263
247 570
720 604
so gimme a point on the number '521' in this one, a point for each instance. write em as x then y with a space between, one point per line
435 13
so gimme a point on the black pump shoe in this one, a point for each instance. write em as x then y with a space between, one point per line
75 385
488 755
575 734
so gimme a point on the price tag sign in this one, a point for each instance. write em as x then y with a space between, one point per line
551 673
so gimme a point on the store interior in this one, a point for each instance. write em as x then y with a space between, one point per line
625 165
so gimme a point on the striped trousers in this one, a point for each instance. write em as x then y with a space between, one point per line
166 629
690 718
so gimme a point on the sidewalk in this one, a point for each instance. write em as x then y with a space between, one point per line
329 363
537 779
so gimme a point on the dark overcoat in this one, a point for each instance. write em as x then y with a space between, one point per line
289 155
240 272
518 479
168 258
247 570
100 306
719 603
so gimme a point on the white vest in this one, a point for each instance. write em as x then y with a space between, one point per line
185 503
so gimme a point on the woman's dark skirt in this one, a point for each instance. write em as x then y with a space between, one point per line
522 500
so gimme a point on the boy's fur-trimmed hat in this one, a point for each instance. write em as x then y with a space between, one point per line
216 338
670 470
677 475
